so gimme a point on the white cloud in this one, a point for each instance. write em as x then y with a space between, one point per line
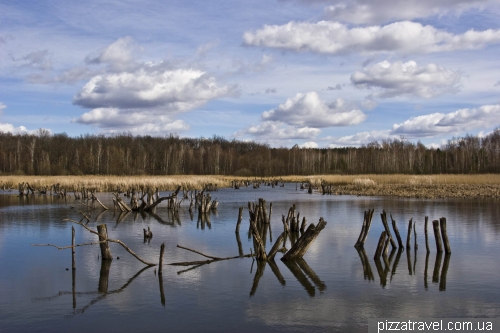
309 110
2 107
398 79
173 90
453 122
113 120
380 11
309 144
336 38
127 95
4 127
119 55
270 130
359 139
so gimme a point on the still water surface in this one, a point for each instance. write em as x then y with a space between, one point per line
329 291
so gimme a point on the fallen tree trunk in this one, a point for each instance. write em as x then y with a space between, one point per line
300 247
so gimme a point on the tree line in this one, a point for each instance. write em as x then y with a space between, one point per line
43 153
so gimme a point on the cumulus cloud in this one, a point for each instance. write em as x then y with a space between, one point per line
4 127
431 125
359 139
127 95
336 38
173 90
270 130
381 11
398 79
309 110
114 120
453 122
119 55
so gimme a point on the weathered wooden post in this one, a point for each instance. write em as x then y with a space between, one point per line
380 245
426 235
408 238
240 217
444 234
396 231
367 221
387 230
437 236
73 262
415 234
103 236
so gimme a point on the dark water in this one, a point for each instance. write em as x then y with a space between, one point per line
329 291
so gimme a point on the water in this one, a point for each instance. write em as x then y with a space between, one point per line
327 292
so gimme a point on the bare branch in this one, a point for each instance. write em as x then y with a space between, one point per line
69 246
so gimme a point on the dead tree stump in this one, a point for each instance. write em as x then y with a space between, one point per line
408 238
103 236
300 247
437 236
444 234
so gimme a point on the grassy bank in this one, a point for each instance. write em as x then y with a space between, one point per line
429 186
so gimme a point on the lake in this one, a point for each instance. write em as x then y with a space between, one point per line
328 291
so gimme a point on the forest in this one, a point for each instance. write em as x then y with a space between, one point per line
43 153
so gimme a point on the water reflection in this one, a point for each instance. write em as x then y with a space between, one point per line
367 269
102 288
383 266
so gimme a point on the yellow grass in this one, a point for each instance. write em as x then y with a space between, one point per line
110 183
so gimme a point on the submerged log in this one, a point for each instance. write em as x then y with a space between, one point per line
300 247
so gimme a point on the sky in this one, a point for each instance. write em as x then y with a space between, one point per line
317 73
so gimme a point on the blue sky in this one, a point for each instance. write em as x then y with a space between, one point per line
318 73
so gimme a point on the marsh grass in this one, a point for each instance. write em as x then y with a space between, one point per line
111 183
191 182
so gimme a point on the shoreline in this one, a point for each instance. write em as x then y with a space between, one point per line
407 186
